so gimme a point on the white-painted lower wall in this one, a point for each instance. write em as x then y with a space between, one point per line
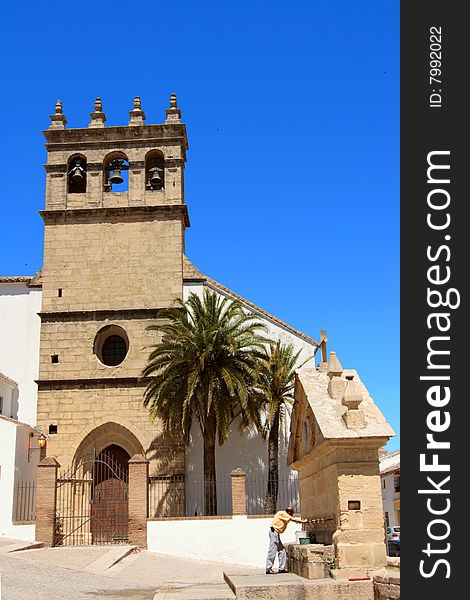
237 540
7 474
20 532
15 468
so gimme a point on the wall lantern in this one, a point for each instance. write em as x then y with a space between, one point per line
41 444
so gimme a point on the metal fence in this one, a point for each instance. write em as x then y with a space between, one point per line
260 491
179 496
24 502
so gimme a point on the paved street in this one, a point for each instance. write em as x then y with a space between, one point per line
23 578
59 573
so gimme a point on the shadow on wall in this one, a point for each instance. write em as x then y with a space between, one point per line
15 403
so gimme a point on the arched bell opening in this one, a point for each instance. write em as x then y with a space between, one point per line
76 174
155 170
116 172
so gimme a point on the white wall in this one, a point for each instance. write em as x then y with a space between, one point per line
248 452
19 347
26 470
7 473
8 401
238 540
388 495
14 468
274 330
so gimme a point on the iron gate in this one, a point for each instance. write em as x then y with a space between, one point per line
92 502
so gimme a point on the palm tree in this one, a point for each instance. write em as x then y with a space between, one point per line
204 369
276 384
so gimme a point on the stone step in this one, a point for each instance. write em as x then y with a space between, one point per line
281 586
197 591
288 586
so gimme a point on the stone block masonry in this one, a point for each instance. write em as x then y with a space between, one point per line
112 259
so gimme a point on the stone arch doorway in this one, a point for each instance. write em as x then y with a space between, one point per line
106 435
109 501
92 495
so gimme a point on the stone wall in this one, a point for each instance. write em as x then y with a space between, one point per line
311 561
112 261
109 413
387 586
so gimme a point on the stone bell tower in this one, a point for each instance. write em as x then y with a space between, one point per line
115 220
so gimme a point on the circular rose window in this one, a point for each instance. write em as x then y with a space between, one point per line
111 345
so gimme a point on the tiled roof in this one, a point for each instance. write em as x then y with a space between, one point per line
390 462
35 280
15 279
7 380
192 273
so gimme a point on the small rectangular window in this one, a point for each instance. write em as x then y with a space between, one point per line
59 293
54 358
384 485
396 481
52 429
354 505
1 405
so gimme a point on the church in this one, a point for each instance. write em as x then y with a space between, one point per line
114 255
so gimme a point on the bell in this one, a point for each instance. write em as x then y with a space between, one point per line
76 174
155 180
115 176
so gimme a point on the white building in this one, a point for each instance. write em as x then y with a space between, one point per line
20 302
390 480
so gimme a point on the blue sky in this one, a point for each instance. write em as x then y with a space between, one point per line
292 179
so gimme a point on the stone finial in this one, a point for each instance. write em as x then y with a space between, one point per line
352 396
98 117
354 417
58 120
334 366
238 472
137 115
173 114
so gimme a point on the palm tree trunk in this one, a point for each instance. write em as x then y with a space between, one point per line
210 490
273 466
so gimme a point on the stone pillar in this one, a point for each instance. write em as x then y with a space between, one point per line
138 500
46 500
238 492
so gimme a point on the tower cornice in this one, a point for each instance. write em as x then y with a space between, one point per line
124 136
122 213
